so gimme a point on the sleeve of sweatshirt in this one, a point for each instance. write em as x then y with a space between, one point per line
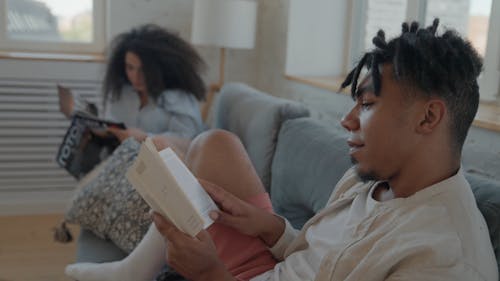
278 250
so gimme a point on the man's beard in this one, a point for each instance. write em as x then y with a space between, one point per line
364 176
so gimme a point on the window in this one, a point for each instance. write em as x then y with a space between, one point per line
471 18
52 26
325 40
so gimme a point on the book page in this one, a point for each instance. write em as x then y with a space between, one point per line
135 180
190 185
164 189
159 186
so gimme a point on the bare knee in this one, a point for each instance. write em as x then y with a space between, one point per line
215 136
213 140
219 157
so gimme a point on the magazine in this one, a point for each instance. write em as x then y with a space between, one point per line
170 189
68 103
86 143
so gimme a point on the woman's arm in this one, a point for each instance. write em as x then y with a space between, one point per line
183 114
177 114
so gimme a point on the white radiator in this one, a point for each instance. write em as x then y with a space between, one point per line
31 129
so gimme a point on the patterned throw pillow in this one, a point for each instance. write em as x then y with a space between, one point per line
108 205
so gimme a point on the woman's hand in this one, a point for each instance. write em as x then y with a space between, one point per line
123 134
195 258
244 217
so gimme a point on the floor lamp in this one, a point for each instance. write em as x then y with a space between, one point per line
223 24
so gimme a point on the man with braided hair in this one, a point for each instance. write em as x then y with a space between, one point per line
404 211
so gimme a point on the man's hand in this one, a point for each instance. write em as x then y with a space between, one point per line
122 134
195 258
243 216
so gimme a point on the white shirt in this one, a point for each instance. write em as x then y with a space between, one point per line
436 234
175 112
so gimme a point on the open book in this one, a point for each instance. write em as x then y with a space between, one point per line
170 189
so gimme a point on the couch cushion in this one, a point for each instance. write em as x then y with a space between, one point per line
487 193
255 118
310 158
108 205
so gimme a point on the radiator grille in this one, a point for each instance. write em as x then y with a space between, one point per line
31 129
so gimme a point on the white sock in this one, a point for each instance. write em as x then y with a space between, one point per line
143 263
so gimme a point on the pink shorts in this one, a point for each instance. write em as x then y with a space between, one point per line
244 256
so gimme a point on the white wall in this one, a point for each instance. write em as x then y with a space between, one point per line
124 14
315 46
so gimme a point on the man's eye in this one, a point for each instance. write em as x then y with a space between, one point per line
366 105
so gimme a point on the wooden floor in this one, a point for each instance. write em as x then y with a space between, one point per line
28 251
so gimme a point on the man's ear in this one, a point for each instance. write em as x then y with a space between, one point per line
434 111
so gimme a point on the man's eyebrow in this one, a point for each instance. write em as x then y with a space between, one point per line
360 91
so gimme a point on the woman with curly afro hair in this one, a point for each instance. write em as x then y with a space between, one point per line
152 84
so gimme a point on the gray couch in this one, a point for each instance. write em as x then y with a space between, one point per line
299 160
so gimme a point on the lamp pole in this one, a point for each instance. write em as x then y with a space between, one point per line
222 61
225 24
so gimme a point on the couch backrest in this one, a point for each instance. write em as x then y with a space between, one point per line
487 193
311 157
256 118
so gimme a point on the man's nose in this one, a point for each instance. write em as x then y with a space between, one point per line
350 121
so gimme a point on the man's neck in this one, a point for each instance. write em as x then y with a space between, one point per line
383 192
410 181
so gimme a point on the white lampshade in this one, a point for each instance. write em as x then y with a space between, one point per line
224 23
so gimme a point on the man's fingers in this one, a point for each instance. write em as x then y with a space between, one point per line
225 199
208 186
203 236
227 219
164 226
